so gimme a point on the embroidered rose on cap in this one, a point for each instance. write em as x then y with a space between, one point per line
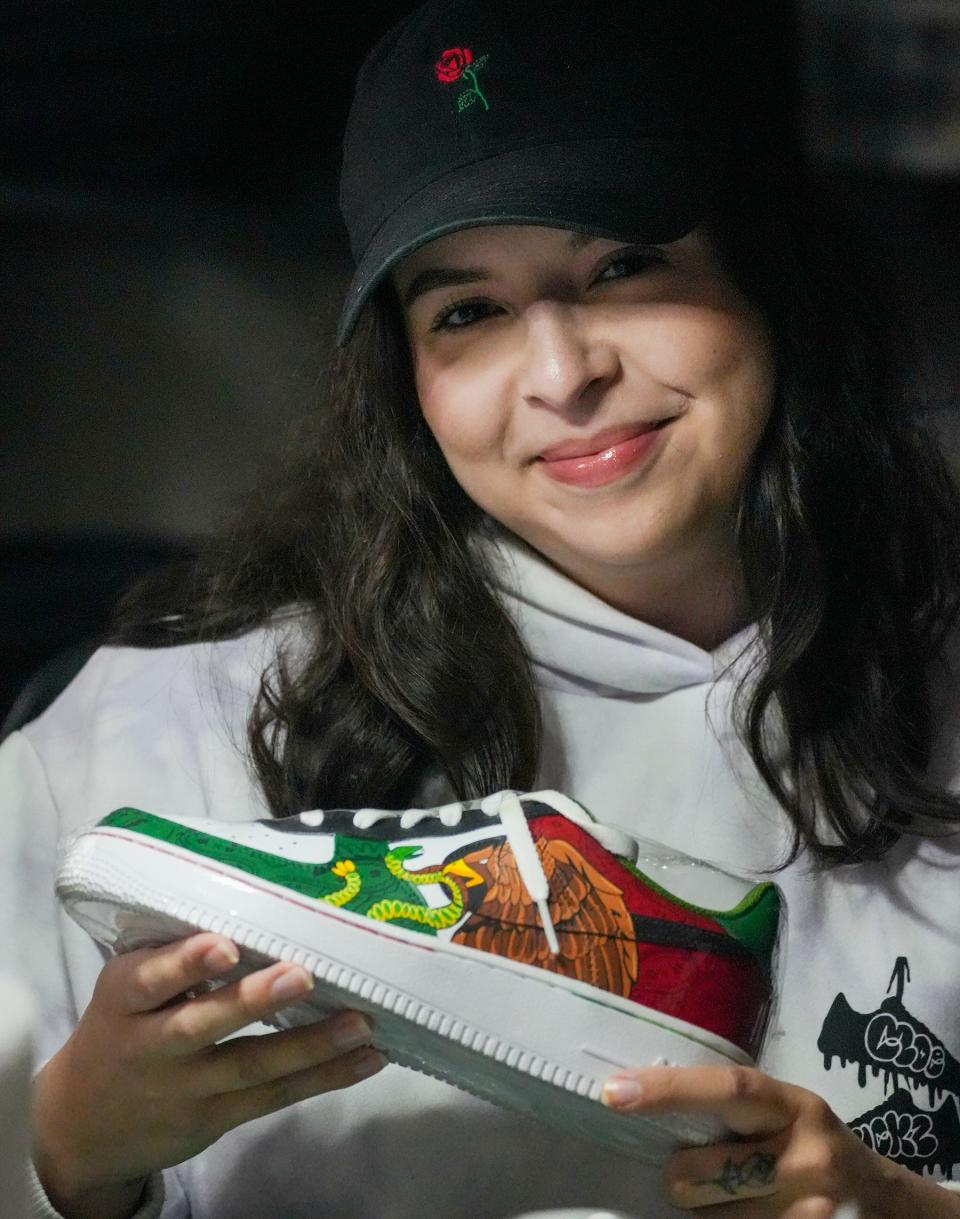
455 63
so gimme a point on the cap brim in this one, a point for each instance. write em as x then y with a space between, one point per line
655 189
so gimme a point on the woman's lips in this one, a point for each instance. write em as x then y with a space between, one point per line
606 465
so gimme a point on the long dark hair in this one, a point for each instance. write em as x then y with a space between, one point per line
406 662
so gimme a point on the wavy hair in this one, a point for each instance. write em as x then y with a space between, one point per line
847 529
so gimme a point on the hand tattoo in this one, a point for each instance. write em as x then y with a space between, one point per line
756 1169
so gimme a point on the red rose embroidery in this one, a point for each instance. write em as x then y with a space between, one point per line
456 62
453 63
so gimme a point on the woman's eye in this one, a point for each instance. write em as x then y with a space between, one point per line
626 265
460 314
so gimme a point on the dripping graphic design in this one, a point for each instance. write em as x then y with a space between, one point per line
893 1043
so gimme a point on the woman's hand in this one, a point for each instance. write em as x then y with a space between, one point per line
142 1082
795 1158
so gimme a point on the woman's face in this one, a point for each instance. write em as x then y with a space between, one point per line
600 400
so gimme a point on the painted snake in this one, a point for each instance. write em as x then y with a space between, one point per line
388 908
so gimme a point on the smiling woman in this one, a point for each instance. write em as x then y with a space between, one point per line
612 488
601 402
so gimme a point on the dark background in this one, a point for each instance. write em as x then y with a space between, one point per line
173 260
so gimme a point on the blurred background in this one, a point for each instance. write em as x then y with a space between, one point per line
173 260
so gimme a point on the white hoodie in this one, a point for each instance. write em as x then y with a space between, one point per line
869 1015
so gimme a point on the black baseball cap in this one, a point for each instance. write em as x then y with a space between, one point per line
614 118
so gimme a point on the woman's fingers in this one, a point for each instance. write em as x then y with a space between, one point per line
230 1109
774 1207
147 978
155 1088
206 1019
724 1172
797 1161
745 1099
810 1167
248 1062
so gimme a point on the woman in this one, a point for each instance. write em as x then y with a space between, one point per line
613 493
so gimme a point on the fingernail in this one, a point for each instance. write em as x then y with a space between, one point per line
349 1031
291 985
369 1064
220 957
621 1090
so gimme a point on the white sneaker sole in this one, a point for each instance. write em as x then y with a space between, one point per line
522 1037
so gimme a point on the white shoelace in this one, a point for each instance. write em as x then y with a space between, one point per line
507 806
514 821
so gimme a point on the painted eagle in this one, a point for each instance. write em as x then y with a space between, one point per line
593 926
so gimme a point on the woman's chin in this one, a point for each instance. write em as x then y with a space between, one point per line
605 555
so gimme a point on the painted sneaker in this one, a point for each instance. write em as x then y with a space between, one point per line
557 948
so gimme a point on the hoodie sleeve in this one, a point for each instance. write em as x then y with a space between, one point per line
151 1206
31 946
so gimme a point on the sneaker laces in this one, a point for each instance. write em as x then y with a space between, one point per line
507 806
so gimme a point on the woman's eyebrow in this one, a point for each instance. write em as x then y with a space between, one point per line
578 241
441 277
432 278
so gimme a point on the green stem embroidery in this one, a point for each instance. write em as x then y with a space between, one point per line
476 88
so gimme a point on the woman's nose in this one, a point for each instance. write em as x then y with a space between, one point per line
565 364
